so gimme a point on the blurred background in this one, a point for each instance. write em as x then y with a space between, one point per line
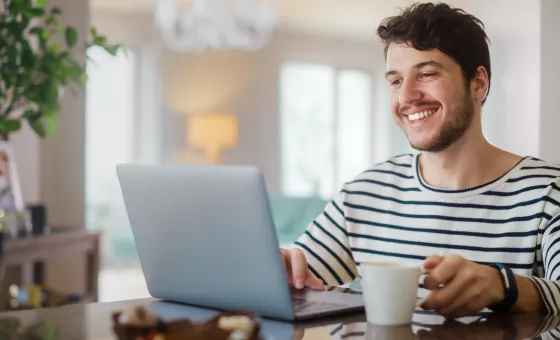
306 101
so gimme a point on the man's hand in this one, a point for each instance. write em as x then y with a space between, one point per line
460 287
297 271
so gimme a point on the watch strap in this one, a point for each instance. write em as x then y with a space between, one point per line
510 289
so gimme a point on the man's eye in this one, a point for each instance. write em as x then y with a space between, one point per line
395 82
428 75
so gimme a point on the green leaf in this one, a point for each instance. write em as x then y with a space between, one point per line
112 49
9 325
71 36
36 30
27 57
56 11
12 125
41 2
11 53
83 79
50 332
99 40
16 6
12 80
53 20
50 121
28 15
37 126
36 12
41 34
29 114
9 125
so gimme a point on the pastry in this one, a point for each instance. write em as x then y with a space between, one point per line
140 324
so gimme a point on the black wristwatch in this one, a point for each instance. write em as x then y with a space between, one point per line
510 289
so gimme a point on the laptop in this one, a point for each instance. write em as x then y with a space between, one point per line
205 237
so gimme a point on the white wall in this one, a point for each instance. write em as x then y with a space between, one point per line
514 101
62 156
549 81
62 163
27 148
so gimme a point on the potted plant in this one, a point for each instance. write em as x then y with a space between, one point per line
37 64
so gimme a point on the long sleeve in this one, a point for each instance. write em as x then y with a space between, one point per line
549 284
326 247
547 279
549 329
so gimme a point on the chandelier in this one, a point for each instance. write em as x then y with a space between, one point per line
216 24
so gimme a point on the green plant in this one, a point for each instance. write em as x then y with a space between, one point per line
37 62
11 329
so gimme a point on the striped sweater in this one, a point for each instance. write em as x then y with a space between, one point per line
390 213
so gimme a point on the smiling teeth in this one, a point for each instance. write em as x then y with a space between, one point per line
420 115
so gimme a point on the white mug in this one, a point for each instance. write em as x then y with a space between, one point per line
390 292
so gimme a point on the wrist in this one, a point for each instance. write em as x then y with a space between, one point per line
509 293
498 291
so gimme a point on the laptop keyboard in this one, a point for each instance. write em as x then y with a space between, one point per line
301 305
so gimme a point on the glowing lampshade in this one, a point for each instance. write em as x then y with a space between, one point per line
212 133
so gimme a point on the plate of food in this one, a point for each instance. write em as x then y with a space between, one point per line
140 324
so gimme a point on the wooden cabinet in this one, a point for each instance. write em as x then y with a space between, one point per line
25 260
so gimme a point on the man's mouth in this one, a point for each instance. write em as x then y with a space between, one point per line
420 115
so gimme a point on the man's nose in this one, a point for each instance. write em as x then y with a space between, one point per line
409 93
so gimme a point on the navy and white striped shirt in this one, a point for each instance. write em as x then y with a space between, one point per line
390 213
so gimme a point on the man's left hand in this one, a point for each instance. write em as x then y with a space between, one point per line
460 287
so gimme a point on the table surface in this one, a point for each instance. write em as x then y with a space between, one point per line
93 321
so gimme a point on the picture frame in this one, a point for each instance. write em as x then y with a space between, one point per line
10 186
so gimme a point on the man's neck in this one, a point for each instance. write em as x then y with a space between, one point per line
467 163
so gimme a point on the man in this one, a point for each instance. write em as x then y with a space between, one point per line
459 207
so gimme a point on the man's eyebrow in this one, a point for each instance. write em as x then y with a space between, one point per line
418 66
428 63
390 73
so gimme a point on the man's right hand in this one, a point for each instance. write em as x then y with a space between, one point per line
297 271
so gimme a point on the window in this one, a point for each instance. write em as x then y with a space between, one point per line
110 126
325 127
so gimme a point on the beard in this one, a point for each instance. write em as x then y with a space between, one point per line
452 130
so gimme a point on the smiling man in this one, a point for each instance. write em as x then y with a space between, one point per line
484 222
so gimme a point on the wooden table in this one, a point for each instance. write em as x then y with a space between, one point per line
93 321
31 252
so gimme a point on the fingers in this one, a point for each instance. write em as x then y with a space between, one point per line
286 262
432 261
295 265
314 282
467 300
454 295
299 267
471 307
299 334
443 272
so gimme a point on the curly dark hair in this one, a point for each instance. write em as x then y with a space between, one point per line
428 26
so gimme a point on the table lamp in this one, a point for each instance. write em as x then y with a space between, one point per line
212 132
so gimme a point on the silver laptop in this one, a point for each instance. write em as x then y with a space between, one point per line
205 237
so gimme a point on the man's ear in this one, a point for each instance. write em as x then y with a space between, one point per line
480 84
